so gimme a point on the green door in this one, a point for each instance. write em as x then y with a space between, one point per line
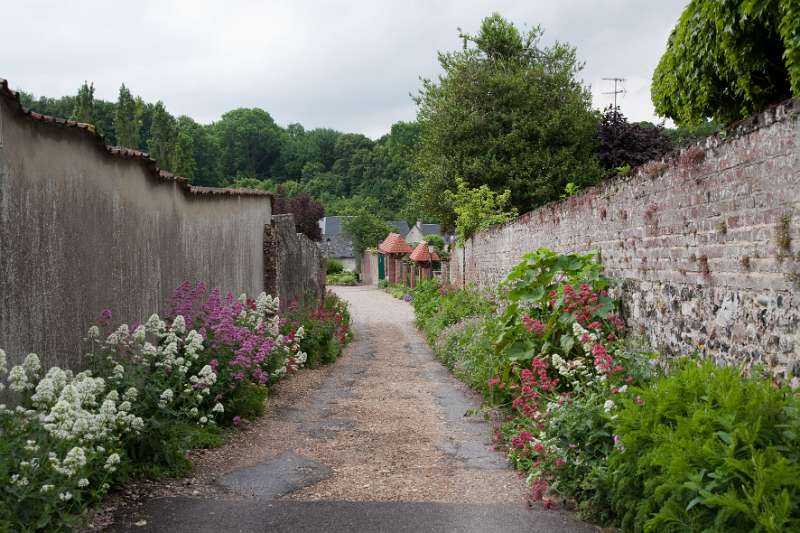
381 268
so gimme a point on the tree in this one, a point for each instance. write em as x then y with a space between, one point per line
84 104
477 209
365 229
184 163
161 143
250 142
624 143
126 121
727 60
507 113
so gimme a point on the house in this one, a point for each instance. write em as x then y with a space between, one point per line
337 244
390 256
418 232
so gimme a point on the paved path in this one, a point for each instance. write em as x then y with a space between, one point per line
378 441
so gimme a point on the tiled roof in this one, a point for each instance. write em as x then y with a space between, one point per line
394 244
431 229
422 255
88 129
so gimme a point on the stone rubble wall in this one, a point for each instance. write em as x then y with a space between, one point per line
706 243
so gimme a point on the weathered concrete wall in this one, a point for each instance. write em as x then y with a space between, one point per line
82 229
706 243
295 268
369 268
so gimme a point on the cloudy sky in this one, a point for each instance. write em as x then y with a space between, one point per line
345 65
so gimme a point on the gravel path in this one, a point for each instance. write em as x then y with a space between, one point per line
378 441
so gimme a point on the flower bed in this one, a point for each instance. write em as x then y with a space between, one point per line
151 392
597 425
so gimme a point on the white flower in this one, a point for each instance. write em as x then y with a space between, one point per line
130 395
46 488
94 332
118 373
83 482
608 406
179 325
121 334
32 364
166 397
19 481
111 462
65 496
300 333
623 389
218 408
31 446
203 420
3 362
194 412
154 325
139 334
18 379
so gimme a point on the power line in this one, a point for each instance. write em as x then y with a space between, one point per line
616 91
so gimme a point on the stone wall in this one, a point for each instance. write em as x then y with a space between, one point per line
705 242
294 266
84 227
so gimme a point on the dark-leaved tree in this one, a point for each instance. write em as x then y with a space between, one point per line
307 211
625 143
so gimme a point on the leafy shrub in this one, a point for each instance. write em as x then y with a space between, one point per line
436 240
729 59
707 449
326 329
153 391
437 307
342 278
333 266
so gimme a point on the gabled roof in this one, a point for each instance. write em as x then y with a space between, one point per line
400 225
431 229
421 254
124 153
394 244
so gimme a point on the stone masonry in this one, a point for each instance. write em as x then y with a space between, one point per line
706 243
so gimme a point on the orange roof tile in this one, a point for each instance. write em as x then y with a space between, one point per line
422 255
394 244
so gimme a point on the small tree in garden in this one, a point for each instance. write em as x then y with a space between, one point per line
366 229
307 212
623 143
726 60
477 209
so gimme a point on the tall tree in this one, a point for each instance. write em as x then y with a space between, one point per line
126 121
184 162
507 113
161 143
84 104
250 142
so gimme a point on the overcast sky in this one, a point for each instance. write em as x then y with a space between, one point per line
344 65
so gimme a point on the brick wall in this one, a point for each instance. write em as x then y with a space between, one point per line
705 242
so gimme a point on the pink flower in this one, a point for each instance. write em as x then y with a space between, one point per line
533 325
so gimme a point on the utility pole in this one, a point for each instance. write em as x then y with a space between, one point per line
616 91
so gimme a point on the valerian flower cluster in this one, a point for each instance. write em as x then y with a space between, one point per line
73 435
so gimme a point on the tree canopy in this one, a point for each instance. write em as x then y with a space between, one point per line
626 143
508 113
727 60
477 208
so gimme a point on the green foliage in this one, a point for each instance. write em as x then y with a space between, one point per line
437 307
126 121
84 104
570 189
706 449
327 330
365 229
507 113
436 240
342 278
727 60
333 266
161 143
477 209
250 142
